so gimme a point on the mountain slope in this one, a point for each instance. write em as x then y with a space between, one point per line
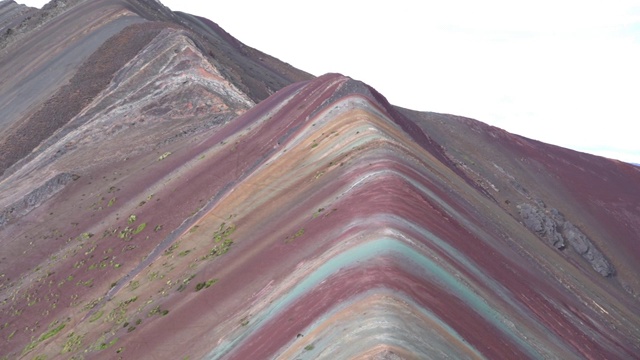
61 78
177 194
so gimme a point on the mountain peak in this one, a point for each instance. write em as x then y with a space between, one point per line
169 192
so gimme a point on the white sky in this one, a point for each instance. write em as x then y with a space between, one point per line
564 72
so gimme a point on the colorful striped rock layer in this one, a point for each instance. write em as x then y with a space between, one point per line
170 193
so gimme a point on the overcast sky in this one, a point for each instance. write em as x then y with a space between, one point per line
564 72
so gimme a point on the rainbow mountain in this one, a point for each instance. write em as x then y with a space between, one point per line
168 192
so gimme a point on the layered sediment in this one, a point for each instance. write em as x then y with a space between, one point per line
194 198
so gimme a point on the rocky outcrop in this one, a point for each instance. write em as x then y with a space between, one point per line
36 197
583 246
90 79
551 226
544 223
16 20
11 16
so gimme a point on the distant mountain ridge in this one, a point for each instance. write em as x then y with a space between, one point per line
169 192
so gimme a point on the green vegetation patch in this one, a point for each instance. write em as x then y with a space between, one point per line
221 249
205 284
53 331
134 285
126 233
222 240
164 156
73 343
186 282
157 311
86 283
223 232
119 314
93 303
105 345
317 213
171 248
139 228
97 315
291 238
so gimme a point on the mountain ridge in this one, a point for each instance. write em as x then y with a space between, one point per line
211 196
